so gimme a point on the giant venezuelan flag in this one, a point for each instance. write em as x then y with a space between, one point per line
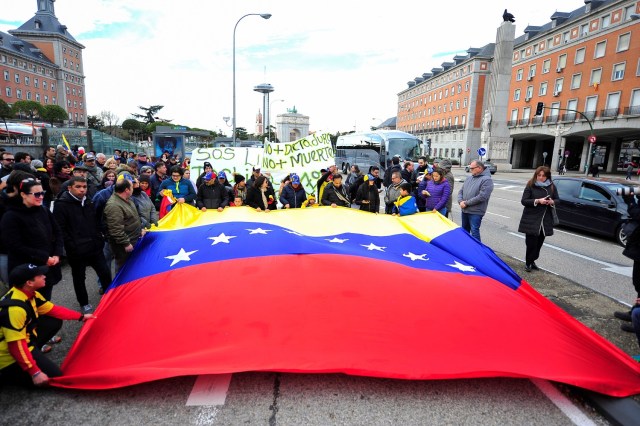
330 290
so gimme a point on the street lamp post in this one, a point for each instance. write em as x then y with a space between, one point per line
269 123
263 16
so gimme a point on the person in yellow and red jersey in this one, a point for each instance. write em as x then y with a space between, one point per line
27 321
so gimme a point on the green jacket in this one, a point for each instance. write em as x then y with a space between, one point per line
123 222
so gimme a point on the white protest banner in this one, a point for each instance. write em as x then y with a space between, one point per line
304 157
228 159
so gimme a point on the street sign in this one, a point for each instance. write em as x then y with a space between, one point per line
482 152
592 139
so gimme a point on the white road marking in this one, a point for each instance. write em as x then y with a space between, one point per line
611 267
496 214
575 235
574 414
506 199
209 389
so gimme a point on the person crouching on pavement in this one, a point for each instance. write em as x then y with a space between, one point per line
27 322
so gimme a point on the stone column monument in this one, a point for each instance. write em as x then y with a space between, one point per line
495 134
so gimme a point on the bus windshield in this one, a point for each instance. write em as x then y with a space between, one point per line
407 149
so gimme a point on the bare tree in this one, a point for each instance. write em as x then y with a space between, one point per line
110 121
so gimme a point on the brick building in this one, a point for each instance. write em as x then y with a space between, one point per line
585 60
40 61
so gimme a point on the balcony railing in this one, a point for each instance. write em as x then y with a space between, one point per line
609 113
551 119
570 116
632 110
512 123
523 122
591 115
536 120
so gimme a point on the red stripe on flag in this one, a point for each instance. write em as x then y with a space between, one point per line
307 313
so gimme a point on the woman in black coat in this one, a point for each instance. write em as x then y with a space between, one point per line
31 234
367 196
261 195
539 198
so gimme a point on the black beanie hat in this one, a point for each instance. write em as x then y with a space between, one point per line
237 178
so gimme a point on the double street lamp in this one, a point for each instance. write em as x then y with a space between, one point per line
263 16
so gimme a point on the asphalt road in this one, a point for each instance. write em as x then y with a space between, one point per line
332 399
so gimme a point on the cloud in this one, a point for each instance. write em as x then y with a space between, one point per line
341 64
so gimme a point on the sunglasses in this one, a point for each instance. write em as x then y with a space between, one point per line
37 194
9 159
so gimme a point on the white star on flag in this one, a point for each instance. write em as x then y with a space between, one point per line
259 231
337 240
372 246
463 268
414 257
182 255
220 239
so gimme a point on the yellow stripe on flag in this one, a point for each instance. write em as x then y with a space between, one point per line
65 142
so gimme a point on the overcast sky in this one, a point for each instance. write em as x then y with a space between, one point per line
340 63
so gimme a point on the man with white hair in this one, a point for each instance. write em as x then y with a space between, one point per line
100 160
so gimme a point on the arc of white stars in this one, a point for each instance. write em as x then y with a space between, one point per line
259 231
221 239
337 240
463 268
415 257
180 257
372 246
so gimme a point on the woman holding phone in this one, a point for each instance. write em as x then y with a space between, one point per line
539 198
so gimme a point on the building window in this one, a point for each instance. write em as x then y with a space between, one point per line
466 86
53 87
546 66
46 99
618 72
44 84
18 93
457 105
635 101
53 100
580 56
28 96
37 97
27 80
8 92
628 11
623 42
16 78
565 37
554 110
606 21
601 49
557 88
584 30
591 104
532 70
562 61
596 76
459 88
464 103
529 94
519 74
68 90
446 93
514 115
6 75
638 68
35 83
575 81
613 103
543 89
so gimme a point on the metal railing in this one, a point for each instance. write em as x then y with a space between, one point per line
609 113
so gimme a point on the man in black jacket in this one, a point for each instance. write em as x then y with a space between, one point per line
212 194
83 242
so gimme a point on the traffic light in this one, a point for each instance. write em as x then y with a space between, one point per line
428 141
539 108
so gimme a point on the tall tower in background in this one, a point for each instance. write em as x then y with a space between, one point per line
265 89
54 41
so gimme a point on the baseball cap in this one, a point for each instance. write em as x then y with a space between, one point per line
208 176
90 157
25 272
81 167
295 179
222 175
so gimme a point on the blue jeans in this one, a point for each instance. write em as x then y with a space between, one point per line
471 223
635 318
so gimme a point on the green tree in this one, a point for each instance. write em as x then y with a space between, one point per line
31 109
95 122
133 126
241 133
5 112
54 114
150 114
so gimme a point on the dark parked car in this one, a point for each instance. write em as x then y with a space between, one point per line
591 204
487 164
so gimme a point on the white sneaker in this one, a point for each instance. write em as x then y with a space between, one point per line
86 309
